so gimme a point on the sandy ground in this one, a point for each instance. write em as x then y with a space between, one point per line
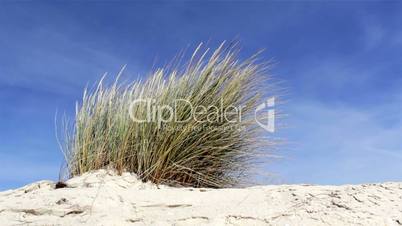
102 198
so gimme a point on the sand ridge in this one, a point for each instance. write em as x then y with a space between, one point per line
104 198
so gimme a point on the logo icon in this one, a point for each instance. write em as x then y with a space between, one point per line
267 106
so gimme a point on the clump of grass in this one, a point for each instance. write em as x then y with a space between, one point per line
207 152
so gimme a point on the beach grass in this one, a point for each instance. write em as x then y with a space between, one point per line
215 148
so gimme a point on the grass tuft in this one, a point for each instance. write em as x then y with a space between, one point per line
206 151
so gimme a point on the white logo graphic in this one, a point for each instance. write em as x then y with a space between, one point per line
150 111
269 104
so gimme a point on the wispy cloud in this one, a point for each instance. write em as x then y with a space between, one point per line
342 144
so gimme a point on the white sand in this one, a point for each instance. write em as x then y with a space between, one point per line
102 198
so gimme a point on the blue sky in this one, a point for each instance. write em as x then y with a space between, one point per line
340 63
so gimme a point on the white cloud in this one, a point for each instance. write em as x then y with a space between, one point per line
341 144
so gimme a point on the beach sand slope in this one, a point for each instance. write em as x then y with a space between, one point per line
104 198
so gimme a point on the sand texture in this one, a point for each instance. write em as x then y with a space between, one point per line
103 198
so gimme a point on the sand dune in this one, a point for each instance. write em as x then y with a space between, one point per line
103 198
